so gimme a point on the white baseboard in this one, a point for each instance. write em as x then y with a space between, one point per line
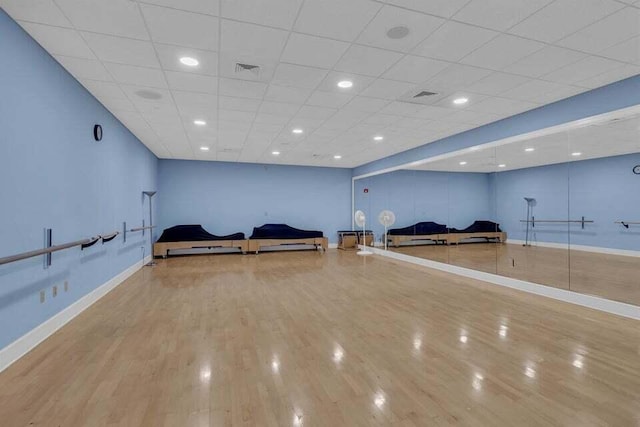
333 246
583 248
14 351
597 303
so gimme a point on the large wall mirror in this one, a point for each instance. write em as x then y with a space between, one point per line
557 208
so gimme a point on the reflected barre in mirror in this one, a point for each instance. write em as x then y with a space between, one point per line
555 210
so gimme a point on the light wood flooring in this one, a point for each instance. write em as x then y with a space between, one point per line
334 339
613 277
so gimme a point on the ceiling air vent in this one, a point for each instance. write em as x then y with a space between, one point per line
248 70
421 96
424 93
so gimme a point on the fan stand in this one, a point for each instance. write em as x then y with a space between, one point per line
364 251
385 237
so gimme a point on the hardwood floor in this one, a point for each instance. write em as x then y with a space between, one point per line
613 277
334 339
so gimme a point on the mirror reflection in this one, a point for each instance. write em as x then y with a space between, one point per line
561 209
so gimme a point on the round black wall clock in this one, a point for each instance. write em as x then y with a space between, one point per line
97 132
636 170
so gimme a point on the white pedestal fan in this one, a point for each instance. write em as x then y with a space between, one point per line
386 218
360 219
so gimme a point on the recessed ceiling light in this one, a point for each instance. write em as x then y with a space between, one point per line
398 32
345 84
297 131
199 122
337 157
463 163
460 101
204 148
275 153
378 138
189 61
502 165
576 154
528 150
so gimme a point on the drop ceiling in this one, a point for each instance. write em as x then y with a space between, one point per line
506 57
611 138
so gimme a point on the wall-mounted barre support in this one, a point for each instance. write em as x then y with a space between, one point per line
581 221
109 237
626 224
125 230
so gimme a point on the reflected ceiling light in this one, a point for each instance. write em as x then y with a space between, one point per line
463 163
297 131
297 420
417 343
337 157
502 165
576 154
204 148
205 374
189 61
275 366
338 354
530 149
463 339
275 153
530 372
378 138
379 400
503 331
460 101
477 381
345 84
578 362
199 122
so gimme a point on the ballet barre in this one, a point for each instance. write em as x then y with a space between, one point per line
135 229
558 221
50 248
626 224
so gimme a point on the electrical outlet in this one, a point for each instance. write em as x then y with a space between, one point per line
66 285
54 291
41 297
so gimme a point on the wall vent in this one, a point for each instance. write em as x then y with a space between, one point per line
247 69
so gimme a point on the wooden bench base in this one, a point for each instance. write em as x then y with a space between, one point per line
255 245
449 239
162 249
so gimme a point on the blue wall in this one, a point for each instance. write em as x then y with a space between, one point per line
604 190
54 175
231 197
453 199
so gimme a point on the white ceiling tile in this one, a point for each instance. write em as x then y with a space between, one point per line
627 51
387 89
498 14
419 25
401 108
544 61
502 106
279 108
142 76
368 61
362 103
245 117
432 113
59 41
415 69
241 88
209 7
121 50
38 11
330 83
533 89
242 39
502 51
613 75
170 59
445 8
272 13
613 29
101 89
453 41
116 105
287 94
84 68
240 104
455 77
181 28
188 102
328 99
313 51
587 68
338 19
115 17
191 82
298 76
496 83
563 17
